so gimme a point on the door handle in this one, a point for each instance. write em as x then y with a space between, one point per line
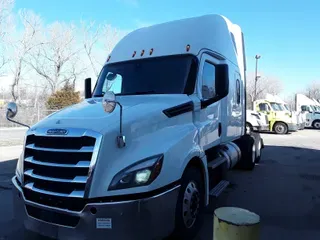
219 129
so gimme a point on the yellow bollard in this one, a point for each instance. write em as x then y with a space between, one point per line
231 223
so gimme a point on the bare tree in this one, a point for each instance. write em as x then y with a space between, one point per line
56 60
5 12
91 35
28 40
5 27
265 85
291 101
313 90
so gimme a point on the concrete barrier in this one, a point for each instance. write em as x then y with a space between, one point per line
231 223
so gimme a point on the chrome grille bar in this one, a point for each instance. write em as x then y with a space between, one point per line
77 179
83 149
80 164
75 194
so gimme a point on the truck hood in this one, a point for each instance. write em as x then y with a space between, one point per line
89 114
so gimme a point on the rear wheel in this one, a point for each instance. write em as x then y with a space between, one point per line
316 124
248 152
280 128
190 205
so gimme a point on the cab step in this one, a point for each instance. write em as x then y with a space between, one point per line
218 189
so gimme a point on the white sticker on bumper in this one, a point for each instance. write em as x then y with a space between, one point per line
104 223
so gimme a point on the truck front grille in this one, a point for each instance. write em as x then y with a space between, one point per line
59 167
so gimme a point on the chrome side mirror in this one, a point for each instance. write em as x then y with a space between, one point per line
109 102
12 110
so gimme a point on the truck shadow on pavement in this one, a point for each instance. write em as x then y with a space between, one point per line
283 189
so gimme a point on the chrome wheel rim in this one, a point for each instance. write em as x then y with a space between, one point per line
191 204
248 129
253 153
259 149
280 128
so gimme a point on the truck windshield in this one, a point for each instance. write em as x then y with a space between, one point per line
275 107
313 108
286 107
161 75
281 107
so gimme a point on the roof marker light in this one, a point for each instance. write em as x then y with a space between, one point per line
142 52
134 54
188 47
151 51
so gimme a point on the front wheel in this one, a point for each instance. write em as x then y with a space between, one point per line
316 124
190 205
280 128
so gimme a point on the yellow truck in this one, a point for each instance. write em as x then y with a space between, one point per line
280 121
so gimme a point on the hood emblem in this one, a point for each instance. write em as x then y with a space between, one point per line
57 132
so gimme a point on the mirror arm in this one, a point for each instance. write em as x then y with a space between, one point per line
120 118
121 140
9 119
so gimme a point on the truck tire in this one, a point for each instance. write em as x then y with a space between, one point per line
316 124
280 128
249 128
248 152
190 205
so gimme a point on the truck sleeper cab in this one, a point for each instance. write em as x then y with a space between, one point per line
141 155
280 120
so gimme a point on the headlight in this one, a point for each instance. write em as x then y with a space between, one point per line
139 174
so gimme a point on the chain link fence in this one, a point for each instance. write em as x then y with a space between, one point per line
26 115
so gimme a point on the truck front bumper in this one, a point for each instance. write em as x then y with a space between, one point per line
149 218
292 127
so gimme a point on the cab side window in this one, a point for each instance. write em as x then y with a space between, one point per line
263 107
208 81
304 108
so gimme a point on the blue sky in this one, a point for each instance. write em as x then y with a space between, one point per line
285 33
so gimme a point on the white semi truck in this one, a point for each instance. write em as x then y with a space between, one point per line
310 108
141 155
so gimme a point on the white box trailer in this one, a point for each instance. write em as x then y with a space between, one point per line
141 155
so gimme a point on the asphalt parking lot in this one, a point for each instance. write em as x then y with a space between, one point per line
283 189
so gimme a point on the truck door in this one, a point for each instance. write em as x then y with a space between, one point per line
208 119
266 109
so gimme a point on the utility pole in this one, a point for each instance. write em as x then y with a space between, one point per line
256 77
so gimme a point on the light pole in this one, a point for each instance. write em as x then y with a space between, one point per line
256 77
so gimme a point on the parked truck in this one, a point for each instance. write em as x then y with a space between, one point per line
140 157
256 121
297 116
280 121
310 108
